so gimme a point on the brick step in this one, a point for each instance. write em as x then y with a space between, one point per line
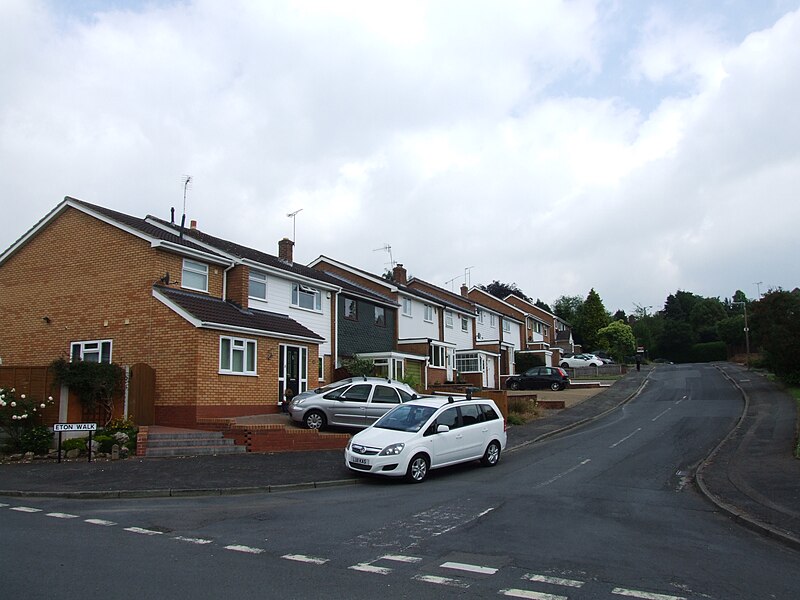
184 435
194 451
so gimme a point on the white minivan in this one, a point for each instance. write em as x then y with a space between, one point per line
428 433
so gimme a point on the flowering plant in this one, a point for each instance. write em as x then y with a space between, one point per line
19 415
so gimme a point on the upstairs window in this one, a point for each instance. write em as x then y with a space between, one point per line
464 324
350 309
94 351
429 313
194 275
506 325
407 307
448 319
480 316
258 285
237 356
380 316
306 297
493 321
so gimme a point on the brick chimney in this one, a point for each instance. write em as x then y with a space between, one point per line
192 224
285 250
464 290
399 274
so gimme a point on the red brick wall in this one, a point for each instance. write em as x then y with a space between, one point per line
238 286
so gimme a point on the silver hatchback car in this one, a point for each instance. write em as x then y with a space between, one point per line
354 402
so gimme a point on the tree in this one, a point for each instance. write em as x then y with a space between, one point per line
620 316
501 290
776 328
679 305
675 341
568 307
543 305
591 319
704 316
618 339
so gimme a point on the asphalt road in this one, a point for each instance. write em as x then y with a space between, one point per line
604 511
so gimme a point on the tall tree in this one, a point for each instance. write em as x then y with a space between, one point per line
592 318
498 289
620 316
543 305
568 307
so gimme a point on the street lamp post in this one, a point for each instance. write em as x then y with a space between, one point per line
746 333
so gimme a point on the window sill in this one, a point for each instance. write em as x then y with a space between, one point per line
308 310
234 373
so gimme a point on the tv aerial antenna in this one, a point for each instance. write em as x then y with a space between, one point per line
386 248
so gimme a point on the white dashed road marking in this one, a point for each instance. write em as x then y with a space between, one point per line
567 472
306 559
100 522
553 580
368 568
245 549
62 516
401 558
469 568
627 437
441 581
658 416
198 541
143 531
26 509
531 595
644 595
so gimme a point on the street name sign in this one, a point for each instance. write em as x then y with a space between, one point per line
74 427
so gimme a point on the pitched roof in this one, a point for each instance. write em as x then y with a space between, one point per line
449 299
210 311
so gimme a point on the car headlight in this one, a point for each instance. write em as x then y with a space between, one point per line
297 402
392 450
349 443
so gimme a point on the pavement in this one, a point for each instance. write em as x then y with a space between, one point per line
751 476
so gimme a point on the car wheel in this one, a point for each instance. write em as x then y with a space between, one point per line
565 365
314 420
492 454
418 469
555 386
513 385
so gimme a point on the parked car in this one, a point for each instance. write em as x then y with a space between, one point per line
603 356
354 402
428 433
537 378
581 360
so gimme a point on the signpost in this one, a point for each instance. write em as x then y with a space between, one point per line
60 428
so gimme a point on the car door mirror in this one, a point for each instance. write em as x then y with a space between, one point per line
442 429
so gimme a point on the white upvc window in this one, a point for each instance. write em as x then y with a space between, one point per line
440 356
480 316
448 319
407 307
306 297
429 313
194 275
257 285
506 325
469 362
91 351
464 324
237 356
493 321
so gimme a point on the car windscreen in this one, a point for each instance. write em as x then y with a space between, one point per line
406 417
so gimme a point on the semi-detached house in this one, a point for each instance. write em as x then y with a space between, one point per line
500 328
226 330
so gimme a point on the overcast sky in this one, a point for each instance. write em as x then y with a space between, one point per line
632 147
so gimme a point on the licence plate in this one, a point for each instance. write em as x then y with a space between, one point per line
359 460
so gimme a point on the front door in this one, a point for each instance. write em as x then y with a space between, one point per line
293 370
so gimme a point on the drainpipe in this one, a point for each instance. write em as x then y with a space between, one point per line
225 281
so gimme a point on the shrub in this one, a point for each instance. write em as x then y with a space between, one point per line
515 419
36 439
526 360
75 444
104 442
18 415
708 352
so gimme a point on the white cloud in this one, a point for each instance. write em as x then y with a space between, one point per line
444 129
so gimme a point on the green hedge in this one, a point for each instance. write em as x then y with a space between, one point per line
708 352
527 360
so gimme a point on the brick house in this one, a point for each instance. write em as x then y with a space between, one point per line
419 349
91 283
474 364
501 326
540 330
